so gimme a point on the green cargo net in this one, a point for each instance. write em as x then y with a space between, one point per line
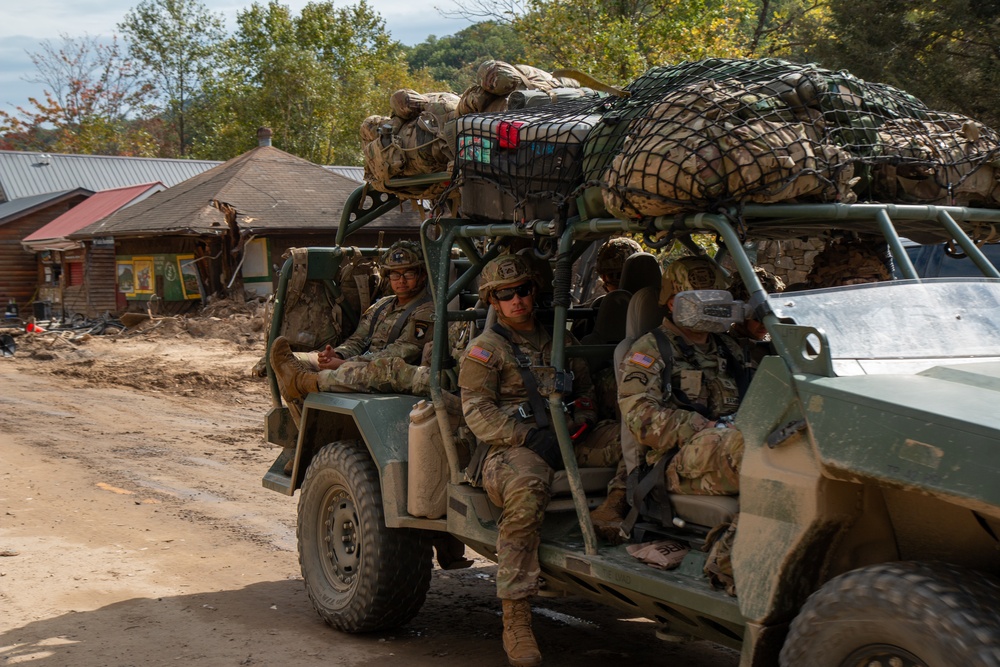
719 133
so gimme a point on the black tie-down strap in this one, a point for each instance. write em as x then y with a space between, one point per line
528 378
646 490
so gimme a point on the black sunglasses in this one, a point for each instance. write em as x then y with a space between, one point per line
507 293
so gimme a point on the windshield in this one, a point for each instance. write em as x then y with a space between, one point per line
906 319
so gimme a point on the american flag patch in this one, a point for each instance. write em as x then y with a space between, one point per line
640 359
479 354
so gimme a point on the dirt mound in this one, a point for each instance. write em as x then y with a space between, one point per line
192 355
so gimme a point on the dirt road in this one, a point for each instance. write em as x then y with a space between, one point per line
138 533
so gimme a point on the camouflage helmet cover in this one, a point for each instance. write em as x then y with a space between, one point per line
772 284
402 255
502 271
690 273
612 255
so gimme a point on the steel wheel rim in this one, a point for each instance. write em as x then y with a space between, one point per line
341 547
882 655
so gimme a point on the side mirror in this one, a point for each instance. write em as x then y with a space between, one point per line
709 310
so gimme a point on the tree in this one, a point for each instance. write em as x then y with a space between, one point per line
176 41
946 52
617 40
453 59
312 78
95 102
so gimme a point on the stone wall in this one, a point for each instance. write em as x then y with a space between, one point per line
789 260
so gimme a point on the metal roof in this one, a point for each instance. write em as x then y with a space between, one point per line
94 208
353 173
27 174
10 210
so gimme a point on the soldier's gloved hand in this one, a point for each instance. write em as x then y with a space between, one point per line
544 443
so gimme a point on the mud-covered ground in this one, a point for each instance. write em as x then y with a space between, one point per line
134 529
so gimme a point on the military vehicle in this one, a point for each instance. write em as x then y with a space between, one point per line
869 528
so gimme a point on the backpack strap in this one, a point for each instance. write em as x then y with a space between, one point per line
735 366
397 328
667 353
375 318
530 383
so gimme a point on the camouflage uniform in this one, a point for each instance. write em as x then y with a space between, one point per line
370 341
417 331
382 375
708 459
516 478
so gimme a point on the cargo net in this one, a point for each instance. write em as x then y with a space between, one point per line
720 132
523 163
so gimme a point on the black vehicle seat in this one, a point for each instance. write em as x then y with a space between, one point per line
640 270
645 314
609 327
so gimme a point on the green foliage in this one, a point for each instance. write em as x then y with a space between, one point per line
453 59
312 78
92 100
175 41
946 52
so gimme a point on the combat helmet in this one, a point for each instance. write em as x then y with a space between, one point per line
502 271
400 256
612 255
690 273
772 284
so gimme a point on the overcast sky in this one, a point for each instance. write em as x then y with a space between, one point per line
409 21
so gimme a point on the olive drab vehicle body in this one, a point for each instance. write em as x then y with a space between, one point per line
870 482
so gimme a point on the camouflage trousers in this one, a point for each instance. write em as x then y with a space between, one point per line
518 481
385 375
708 463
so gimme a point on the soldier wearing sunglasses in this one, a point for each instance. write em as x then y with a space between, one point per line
505 378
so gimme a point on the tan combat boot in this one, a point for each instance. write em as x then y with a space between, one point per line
294 379
609 515
518 639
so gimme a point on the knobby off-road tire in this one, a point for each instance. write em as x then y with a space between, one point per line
360 575
899 615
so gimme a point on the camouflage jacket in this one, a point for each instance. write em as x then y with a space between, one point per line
656 416
493 389
417 331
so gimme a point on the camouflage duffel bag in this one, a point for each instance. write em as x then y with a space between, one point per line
500 78
370 128
477 99
947 160
407 104
670 159
768 162
712 143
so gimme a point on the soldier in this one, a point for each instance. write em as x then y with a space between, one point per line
380 354
751 334
611 258
505 379
688 415
850 262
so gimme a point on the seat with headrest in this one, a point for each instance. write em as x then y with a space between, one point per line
640 270
609 326
644 315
